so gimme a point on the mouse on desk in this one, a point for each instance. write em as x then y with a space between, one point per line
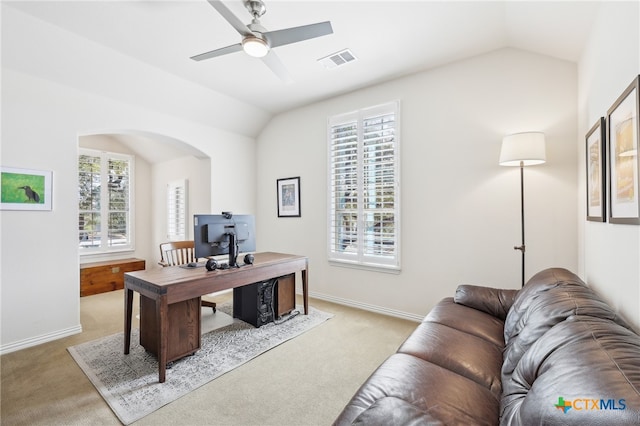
192 265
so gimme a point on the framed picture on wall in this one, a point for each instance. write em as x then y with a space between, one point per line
25 189
596 176
289 197
622 131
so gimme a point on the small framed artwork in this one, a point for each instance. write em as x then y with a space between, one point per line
622 130
596 176
289 197
25 189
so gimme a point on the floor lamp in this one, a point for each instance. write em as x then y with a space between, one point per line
522 149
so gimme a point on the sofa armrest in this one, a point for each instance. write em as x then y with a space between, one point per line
493 301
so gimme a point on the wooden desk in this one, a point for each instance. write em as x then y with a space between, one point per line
167 286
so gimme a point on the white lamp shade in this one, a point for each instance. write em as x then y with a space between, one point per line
527 149
254 46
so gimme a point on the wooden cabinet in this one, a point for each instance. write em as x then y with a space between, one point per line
183 334
100 277
286 300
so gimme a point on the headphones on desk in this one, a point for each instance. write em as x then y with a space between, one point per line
213 264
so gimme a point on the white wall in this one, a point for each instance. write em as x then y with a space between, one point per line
42 119
40 254
197 172
460 210
609 253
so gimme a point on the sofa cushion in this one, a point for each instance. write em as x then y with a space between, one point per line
472 321
548 299
592 364
394 411
442 395
493 301
458 351
539 283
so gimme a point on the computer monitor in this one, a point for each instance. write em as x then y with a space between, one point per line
226 233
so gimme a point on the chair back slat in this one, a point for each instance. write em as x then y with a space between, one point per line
176 253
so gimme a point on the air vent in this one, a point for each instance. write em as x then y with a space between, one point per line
336 59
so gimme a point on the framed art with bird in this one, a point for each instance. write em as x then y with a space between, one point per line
25 189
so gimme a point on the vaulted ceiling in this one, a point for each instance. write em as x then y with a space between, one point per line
138 51
389 38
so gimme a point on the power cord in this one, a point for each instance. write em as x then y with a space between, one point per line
287 317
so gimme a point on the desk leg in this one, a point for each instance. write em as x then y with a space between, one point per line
305 290
128 312
163 331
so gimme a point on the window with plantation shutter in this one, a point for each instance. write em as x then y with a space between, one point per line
364 189
105 194
177 210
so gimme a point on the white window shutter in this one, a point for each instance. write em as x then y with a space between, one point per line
177 192
105 201
364 190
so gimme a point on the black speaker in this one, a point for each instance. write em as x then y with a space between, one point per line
248 259
212 265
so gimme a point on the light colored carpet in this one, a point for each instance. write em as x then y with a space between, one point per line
129 383
304 382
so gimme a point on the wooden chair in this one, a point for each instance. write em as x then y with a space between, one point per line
177 253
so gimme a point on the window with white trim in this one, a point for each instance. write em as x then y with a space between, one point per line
364 188
105 200
177 210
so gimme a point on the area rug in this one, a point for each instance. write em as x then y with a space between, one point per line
129 383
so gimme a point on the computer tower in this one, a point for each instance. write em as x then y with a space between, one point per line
256 303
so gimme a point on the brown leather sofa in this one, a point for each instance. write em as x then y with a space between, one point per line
552 353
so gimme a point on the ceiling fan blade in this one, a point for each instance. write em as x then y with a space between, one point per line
230 17
275 64
296 34
218 52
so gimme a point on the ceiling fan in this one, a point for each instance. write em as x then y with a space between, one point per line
258 42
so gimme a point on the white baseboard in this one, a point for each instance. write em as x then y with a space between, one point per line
33 341
368 307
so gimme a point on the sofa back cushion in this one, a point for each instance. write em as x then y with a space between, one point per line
539 283
549 298
585 370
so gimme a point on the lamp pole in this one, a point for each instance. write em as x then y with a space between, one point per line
522 247
523 149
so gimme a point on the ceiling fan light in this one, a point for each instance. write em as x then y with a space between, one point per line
254 46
